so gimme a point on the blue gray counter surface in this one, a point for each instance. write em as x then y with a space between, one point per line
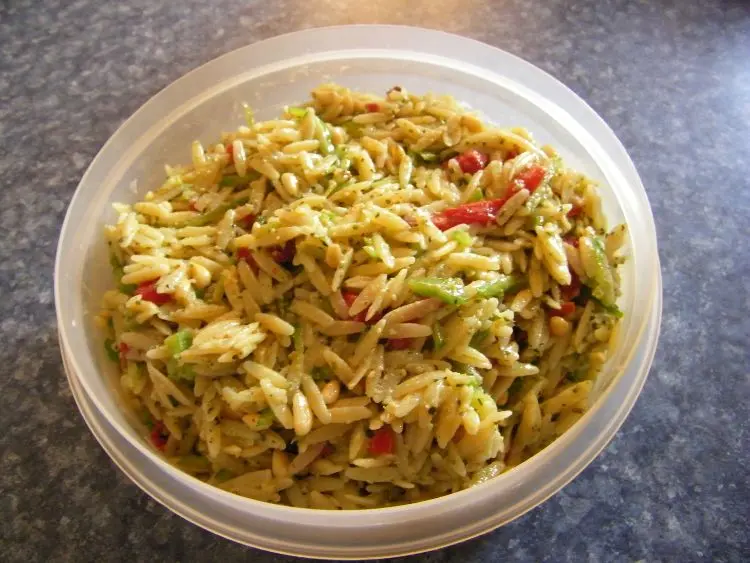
671 78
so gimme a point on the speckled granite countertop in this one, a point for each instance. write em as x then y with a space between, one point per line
671 78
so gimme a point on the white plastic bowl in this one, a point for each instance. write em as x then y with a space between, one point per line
281 71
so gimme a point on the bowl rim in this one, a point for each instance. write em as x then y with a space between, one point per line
279 511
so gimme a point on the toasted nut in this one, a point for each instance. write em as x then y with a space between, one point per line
559 326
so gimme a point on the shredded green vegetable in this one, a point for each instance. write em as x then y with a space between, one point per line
179 342
438 338
498 287
369 248
611 309
469 370
486 473
599 276
175 371
111 349
127 288
297 112
339 187
423 157
234 180
147 419
210 217
214 215
194 464
462 237
448 290
118 272
478 195
176 344
324 136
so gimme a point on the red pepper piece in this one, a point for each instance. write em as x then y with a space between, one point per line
472 161
349 297
375 318
247 221
284 254
123 349
372 107
575 211
230 151
531 177
360 317
566 308
570 292
477 213
244 254
147 290
460 433
382 442
399 343
158 436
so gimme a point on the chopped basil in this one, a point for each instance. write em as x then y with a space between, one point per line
479 337
111 349
322 373
515 386
297 112
223 475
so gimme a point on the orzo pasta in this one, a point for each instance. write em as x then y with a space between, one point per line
368 301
